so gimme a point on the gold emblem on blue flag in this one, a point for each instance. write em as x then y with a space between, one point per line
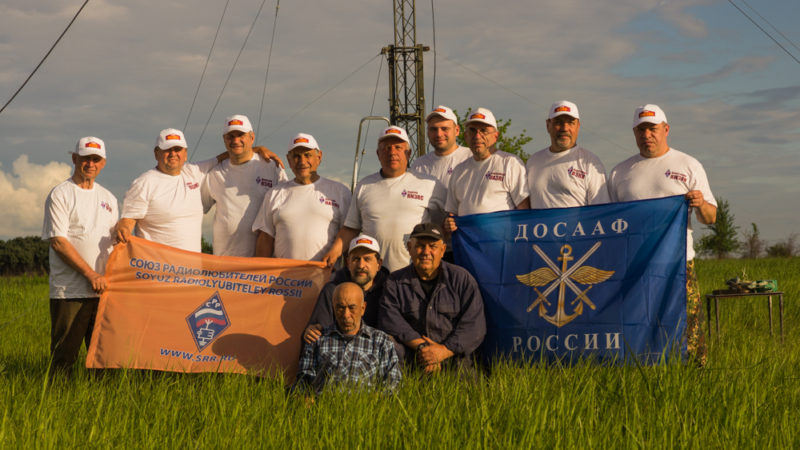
555 277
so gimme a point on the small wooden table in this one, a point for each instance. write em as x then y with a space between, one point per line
716 295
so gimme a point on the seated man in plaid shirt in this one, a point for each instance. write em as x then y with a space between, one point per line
348 352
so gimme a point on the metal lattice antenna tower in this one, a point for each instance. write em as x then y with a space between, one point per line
406 81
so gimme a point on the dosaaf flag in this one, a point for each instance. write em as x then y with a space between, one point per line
605 280
174 310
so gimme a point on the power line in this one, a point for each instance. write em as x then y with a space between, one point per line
45 56
433 25
321 95
266 75
252 25
764 31
208 58
772 26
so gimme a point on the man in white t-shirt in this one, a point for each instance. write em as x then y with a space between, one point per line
299 219
79 220
237 186
565 174
492 180
164 203
443 129
388 204
661 171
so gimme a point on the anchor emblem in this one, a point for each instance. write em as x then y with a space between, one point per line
559 278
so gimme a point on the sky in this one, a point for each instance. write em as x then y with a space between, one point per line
126 70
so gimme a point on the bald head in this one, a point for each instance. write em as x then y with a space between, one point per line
348 307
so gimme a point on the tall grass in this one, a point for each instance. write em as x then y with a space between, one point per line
747 396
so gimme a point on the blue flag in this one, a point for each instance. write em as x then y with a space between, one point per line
603 281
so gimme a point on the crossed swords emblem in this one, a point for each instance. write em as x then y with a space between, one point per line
559 278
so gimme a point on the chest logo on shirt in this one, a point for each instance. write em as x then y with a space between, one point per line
577 173
328 201
412 195
449 170
677 176
266 182
495 176
192 185
106 206
208 321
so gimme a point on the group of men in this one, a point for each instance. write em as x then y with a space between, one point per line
395 225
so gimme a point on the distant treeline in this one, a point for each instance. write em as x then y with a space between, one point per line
24 255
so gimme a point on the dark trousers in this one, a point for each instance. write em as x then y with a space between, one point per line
71 322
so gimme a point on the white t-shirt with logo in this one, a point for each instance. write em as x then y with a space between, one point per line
673 173
86 218
495 184
238 191
303 218
389 208
574 177
168 208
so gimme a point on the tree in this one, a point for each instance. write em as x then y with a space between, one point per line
752 245
24 255
784 249
505 142
722 241
205 246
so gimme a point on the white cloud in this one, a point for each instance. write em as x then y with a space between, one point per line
23 192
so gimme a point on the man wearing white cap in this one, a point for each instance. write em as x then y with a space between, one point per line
387 204
565 174
237 186
364 269
299 219
79 220
164 204
443 130
661 171
492 180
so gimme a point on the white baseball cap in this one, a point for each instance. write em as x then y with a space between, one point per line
237 122
303 140
443 112
481 115
563 107
170 137
395 132
648 113
365 241
90 145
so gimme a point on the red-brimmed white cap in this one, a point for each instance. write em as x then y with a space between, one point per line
563 107
303 140
365 241
394 132
444 112
648 113
481 115
90 145
170 137
237 122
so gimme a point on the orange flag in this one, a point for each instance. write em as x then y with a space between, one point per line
174 310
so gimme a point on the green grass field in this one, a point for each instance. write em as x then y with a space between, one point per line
747 396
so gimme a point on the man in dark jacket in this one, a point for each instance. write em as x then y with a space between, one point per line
433 307
363 268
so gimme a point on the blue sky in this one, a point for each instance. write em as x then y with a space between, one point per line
128 69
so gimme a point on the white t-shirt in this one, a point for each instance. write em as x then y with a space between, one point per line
238 191
441 167
495 184
389 208
574 177
86 218
673 173
303 218
168 208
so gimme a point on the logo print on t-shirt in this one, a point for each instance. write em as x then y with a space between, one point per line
264 182
328 201
106 206
577 173
192 186
495 176
677 176
412 195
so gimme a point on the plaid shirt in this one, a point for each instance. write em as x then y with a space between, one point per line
366 358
